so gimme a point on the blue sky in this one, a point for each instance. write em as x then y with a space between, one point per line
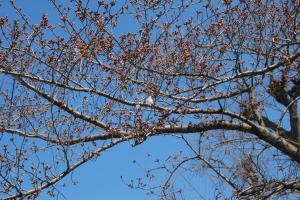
101 179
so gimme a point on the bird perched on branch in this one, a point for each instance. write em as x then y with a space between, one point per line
149 101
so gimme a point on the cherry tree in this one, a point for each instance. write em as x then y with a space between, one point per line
221 76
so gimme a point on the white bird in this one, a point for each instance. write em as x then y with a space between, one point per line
149 101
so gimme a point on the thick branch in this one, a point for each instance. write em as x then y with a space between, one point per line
272 125
294 121
270 137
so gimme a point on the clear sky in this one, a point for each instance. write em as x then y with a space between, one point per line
101 179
